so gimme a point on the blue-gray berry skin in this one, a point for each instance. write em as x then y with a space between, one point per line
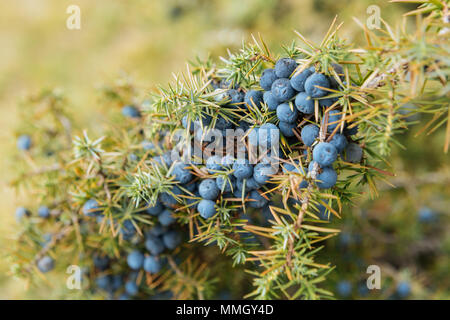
24 142
287 128
282 90
155 210
344 288
353 153
298 81
166 218
135 260
182 173
131 112
208 189
314 80
43 212
154 245
172 239
426 215
285 67
327 178
270 100
213 164
324 154
256 200
267 78
128 230
222 123
157 230
206 208
253 98
242 170
304 103
309 134
262 173
284 113
334 117
91 208
46 264
403 289
250 184
236 96
227 184
168 199
22 212
152 264
339 141
131 288
165 159
266 133
104 282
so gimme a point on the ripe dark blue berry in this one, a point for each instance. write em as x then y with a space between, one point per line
309 134
256 200
270 100
226 184
327 178
131 112
152 264
287 128
403 289
314 80
206 208
285 67
304 103
154 245
135 260
344 288
91 208
182 173
266 133
262 173
166 218
172 239
253 97
267 78
213 164
282 90
24 142
324 154
43 212
22 212
155 210
286 114
339 141
131 288
298 81
46 264
242 169
208 189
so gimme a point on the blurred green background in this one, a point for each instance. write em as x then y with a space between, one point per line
149 40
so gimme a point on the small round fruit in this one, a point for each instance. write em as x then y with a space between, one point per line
208 189
309 134
135 260
324 154
268 76
206 208
282 90
312 83
284 67
286 114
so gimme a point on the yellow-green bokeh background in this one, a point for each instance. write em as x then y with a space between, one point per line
147 39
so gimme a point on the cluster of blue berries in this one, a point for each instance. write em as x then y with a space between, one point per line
149 251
